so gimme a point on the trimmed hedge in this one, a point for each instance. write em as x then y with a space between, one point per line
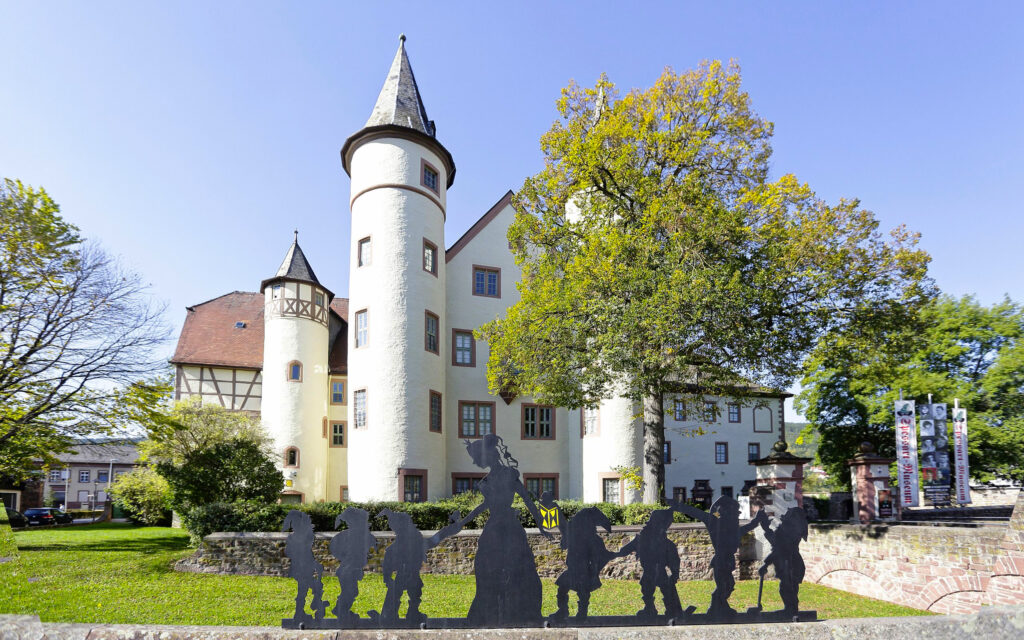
251 516
8 547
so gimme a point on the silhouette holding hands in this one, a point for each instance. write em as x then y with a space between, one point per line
723 525
304 567
585 557
785 555
659 560
351 548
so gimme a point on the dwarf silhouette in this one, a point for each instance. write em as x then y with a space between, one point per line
585 557
659 560
789 566
304 567
351 548
402 563
723 525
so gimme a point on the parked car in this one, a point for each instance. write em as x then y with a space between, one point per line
15 518
47 515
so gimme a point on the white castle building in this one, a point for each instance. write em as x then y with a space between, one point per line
372 398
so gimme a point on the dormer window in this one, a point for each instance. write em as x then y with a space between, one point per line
239 325
430 177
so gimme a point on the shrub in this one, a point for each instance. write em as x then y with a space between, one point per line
8 547
144 495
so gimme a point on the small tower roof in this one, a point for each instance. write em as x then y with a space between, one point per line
295 268
399 102
399 112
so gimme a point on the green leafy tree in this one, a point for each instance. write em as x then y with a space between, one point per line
658 258
952 348
77 334
224 472
191 426
144 494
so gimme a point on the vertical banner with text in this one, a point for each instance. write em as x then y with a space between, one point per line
906 452
934 445
963 475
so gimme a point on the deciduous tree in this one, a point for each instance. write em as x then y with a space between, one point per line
77 333
657 256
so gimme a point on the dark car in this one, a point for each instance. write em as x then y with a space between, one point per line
47 515
15 518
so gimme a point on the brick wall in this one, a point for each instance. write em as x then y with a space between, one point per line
946 568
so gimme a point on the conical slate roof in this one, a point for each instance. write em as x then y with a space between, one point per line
399 112
295 267
399 102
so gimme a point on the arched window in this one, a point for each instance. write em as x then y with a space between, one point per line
291 457
295 371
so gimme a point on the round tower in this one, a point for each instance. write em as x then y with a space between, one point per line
295 374
397 342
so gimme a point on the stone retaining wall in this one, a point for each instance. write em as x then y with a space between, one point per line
263 553
942 567
991 623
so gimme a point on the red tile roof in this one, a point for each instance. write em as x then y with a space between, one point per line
210 337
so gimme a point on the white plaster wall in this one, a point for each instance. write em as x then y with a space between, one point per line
395 368
694 455
337 457
467 311
619 443
293 412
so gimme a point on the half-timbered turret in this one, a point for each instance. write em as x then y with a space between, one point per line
295 373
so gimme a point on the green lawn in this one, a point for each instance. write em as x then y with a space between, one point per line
121 574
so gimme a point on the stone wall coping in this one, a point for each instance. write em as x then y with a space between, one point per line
908 526
280 535
992 623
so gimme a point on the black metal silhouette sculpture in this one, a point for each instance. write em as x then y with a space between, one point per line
508 589
723 525
586 555
351 548
659 560
789 566
304 567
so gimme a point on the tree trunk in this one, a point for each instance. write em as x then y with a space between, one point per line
654 446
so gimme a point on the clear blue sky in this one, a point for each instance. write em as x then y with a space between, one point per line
190 138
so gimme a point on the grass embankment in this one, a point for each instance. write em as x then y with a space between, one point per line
121 574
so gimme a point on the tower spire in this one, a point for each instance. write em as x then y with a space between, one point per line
399 102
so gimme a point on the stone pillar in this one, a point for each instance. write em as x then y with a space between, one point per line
780 480
869 476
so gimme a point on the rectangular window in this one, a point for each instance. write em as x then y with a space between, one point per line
540 483
319 299
538 422
721 453
275 291
476 419
611 490
753 451
362 329
734 413
413 489
54 475
429 257
710 410
435 412
84 476
102 476
679 494
344 494
430 175
727 492
464 349
365 252
666 452
359 408
337 392
430 329
679 410
588 421
338 434
462 483
486 281
295 371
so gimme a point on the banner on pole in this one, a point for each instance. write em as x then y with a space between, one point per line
906 452
963 475
934 445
